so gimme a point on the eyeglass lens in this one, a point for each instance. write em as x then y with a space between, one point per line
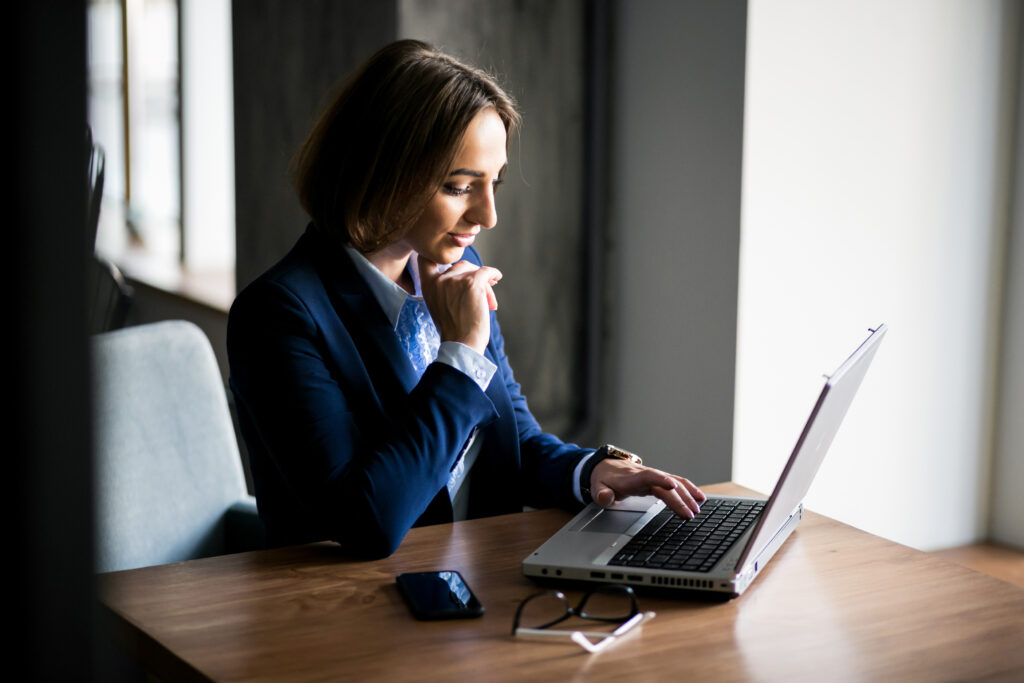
612 603
608 605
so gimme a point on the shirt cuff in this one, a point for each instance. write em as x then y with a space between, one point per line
576 476
469 362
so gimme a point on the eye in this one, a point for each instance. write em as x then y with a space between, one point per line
497 182
457 190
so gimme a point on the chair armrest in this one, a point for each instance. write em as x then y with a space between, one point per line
243 529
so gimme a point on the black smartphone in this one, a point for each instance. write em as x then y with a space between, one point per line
439 595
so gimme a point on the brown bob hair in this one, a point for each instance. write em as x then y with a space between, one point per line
385 143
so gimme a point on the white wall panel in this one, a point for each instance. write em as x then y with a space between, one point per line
875 189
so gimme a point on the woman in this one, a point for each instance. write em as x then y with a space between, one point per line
369 371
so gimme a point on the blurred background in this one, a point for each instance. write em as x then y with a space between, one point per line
707 207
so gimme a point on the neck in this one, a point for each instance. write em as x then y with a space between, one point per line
392 260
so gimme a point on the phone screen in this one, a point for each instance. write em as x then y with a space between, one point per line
439 595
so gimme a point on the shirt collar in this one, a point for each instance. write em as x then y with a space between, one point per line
388 294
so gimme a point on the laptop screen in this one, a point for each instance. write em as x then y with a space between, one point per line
795 480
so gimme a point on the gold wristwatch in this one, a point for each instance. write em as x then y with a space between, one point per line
606 451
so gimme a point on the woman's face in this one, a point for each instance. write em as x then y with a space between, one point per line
464 205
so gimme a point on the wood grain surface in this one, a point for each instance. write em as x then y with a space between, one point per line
836 603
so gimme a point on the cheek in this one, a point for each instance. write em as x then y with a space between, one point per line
424 226
439 218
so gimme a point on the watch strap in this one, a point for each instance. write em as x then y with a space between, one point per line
602 453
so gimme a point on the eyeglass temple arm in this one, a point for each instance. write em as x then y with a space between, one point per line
582 638
636 619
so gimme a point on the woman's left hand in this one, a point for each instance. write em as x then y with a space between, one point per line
460 300
614 480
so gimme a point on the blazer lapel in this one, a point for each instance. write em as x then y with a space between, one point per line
362 316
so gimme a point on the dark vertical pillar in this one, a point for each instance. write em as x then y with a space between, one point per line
596 143
47 453
287 55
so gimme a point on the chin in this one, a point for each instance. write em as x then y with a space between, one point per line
446 256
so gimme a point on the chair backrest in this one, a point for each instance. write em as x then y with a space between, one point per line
95 172
108 294
167 460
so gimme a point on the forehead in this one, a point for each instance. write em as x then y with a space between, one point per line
483 144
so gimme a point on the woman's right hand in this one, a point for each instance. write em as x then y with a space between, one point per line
460 300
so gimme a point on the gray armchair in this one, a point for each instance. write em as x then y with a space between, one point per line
169 480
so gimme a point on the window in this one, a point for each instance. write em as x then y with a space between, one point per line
160 107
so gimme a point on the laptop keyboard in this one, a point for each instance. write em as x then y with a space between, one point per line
671 542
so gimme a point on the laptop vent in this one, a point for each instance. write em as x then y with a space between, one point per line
681 583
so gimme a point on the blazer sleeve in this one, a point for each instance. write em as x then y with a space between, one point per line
361 472
547 463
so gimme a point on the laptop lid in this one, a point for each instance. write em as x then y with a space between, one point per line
821 427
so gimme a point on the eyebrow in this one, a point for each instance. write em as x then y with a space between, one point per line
475 174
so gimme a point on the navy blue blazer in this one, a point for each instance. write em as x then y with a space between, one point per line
344 443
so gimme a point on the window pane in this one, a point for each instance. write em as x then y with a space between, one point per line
142 194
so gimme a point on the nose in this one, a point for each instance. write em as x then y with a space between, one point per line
482 210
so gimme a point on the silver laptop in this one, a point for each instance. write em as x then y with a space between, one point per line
640 542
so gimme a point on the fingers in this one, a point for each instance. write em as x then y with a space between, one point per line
680 499
490 277
459 299
457 268
488 273
604 497
616 479
685 485
482 277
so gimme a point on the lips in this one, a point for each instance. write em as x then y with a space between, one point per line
463 240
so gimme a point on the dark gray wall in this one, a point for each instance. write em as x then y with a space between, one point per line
536 50
287 56
675 178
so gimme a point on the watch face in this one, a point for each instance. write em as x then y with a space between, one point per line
616 452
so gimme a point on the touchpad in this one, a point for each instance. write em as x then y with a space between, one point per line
613 521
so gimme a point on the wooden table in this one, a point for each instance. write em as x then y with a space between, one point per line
836 603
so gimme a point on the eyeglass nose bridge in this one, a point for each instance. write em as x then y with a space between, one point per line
610 589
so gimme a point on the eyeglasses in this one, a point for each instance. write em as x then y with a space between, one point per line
612 604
